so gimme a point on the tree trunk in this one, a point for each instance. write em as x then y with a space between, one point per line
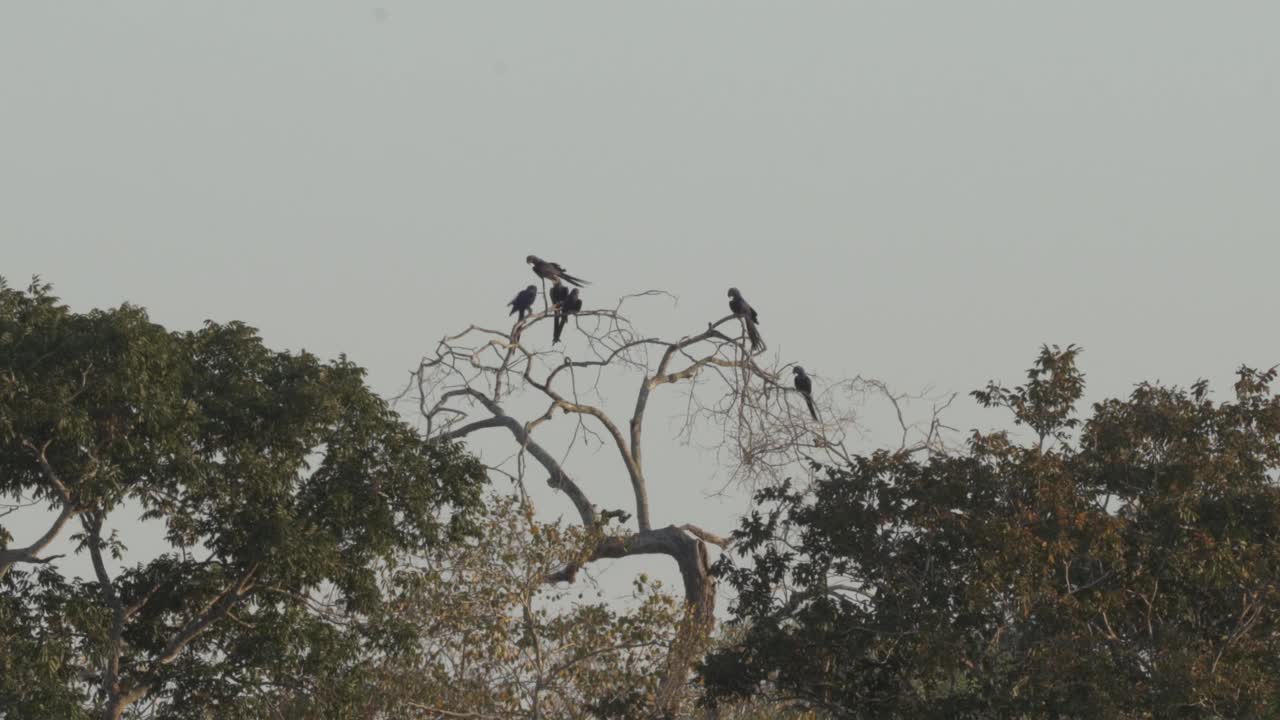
691 639
694 632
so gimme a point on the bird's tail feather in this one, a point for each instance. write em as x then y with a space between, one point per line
576 282
557 325
812 410
757 344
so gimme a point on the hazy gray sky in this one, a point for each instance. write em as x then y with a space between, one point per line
918 191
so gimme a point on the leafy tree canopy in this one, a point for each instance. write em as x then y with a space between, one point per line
276 477
1123 566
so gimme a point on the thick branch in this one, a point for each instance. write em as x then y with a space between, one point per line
690 555
49 474
119 703
633 468
10 557
120 698
673 541
559 479
215 610
705 536
115 641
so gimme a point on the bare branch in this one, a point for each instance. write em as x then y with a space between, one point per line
705 536
558 478
29 554
633 469
660 377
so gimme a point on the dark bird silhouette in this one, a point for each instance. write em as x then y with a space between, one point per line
524 301
740 307
805 385
571 305
559 293
553 272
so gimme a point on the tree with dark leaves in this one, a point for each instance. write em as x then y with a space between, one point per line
1122 566
276 476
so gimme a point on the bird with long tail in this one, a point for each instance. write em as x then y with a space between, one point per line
741 308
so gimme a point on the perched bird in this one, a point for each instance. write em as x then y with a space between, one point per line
805 385
740 307
571 305
524 301
559 293
552 271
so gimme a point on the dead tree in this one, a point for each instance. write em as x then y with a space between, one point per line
764 429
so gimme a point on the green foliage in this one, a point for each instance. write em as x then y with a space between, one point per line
476 628
1127 572
277 477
